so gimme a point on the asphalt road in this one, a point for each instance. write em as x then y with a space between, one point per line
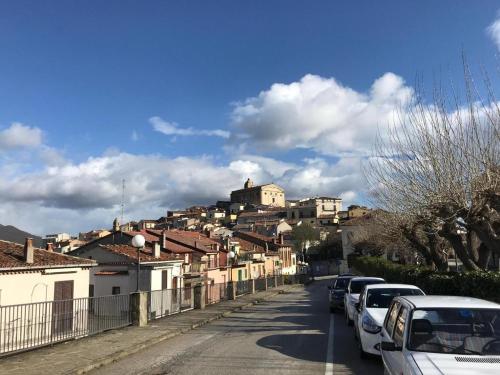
293 333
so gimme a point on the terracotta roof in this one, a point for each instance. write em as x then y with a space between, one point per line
12 256
197 242
249 246
176 248
131 253
148 236
256 236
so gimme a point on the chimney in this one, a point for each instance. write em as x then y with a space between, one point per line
49 247
156 250
28 251
282 239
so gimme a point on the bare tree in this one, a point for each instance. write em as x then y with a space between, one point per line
439 165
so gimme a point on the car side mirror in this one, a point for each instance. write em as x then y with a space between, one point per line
389 346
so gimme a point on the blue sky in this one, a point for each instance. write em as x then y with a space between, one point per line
89 76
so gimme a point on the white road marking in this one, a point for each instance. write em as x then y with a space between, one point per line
329 353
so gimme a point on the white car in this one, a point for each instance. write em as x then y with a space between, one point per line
370 313
429 335
351 296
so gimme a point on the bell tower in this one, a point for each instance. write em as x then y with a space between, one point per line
248 184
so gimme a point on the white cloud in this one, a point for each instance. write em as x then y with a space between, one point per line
493 31
20 136
67 196
172 128
319 114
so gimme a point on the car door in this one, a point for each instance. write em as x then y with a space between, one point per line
395 358
387 331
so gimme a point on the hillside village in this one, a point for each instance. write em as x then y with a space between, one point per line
247 237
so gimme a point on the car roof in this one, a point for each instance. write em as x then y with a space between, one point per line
362 278
449 302
345 277
391 286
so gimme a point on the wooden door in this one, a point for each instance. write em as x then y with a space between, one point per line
62 308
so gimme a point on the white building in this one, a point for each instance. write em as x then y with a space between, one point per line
29 274
46 285
116 272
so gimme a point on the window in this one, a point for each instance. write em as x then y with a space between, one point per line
391 318
164 279
115 290
274 200
400 327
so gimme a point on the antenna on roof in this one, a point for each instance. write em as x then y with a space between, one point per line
123 201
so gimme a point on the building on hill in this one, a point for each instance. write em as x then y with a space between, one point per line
354 211
321 211
268 194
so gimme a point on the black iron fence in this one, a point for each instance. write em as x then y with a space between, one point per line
260 284
169 301
242 287
271 282
37 324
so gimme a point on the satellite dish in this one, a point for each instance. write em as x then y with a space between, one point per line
138 241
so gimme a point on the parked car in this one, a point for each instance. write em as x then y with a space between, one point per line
351 297
370 313
337 291
441 335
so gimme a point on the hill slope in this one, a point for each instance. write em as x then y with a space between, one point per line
13 234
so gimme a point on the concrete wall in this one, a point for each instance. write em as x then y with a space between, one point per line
36 287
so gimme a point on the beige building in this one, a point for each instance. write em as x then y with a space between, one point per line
316 211
269 195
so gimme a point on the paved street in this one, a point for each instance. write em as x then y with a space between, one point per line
288 334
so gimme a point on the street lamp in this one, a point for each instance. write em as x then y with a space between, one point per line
231 255
138 242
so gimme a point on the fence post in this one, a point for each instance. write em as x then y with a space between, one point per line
275 281
231 290
139 308
251 286
199 296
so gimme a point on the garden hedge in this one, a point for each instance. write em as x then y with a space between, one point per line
479 284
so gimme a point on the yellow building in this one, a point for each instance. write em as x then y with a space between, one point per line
268 194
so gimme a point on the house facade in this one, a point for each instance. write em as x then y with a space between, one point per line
316 211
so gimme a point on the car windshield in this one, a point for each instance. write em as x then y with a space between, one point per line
457 331
358 285
381 298
342 283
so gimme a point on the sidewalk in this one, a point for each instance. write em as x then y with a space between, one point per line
83 355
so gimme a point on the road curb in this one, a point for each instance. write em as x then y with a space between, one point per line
140 346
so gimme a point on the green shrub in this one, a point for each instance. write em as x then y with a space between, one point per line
479 284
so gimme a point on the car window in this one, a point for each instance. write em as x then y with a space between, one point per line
399 329
381 298
357 286
391 317
341 283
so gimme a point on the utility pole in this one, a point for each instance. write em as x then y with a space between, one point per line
123 201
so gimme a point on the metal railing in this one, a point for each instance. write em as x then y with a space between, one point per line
37 324
215 293
242 287
166 302
260 284
271 282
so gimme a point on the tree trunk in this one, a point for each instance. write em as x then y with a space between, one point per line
449 232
